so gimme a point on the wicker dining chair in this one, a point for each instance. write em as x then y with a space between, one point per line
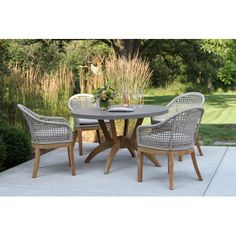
48 132
173 136
180 103
80 101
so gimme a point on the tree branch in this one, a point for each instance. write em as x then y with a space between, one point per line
110 43
145 48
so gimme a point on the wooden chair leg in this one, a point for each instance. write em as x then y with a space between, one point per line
199 146
180 157
36 162
71 158
140 166
132 152
68 150
196 166
98 136
80 141
171 170
74 137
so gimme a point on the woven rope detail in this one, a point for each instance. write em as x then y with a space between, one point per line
46 129
175 133
180 103
80 101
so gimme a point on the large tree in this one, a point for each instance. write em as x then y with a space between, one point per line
172 58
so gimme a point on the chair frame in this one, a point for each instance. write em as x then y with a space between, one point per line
142 150
170 155
52 123
77 134
39 147
174 101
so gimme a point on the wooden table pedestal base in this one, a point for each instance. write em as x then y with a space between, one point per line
118 142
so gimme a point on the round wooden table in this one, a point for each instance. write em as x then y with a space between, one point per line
112 140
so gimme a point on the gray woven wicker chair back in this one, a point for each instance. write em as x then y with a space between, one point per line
31 118
175 133
80 101
46 129
185 101
180 103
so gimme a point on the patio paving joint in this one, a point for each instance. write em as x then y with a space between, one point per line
204 194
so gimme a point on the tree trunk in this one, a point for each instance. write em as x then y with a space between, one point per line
129 47
209 85
124 47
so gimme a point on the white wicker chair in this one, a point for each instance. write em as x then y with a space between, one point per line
79 101
180 103
48 132
173 136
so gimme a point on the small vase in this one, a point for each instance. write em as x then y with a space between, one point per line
104 104
126 100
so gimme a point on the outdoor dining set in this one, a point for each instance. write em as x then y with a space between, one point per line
173 131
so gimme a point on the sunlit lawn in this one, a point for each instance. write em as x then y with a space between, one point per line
219 120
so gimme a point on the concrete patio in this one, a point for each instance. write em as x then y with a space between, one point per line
218 168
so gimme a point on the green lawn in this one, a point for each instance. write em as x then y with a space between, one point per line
219 120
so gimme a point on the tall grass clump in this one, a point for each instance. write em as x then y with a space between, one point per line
130 74
90 81
127 74
45 93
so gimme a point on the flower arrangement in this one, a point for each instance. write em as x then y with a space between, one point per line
104 95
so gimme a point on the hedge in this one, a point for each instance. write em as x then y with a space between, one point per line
16 146
3 154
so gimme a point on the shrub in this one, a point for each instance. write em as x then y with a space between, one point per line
2 154
18 146
3 118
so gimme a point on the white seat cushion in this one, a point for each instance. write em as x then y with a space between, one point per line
87 121
158 119
82 121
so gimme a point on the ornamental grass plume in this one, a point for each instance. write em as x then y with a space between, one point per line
127 74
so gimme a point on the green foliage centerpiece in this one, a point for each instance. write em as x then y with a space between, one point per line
104 95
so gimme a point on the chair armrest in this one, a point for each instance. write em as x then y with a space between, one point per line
155 128
156 135
45 131
57 123
52 118
53 122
